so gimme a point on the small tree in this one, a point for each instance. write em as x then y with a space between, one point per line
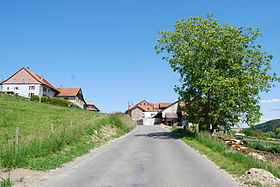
222 71
277 131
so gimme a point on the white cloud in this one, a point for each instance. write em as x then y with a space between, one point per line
271 101
262 120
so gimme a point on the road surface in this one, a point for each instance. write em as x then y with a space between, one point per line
148 156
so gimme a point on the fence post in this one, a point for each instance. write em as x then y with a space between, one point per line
52 128
17 134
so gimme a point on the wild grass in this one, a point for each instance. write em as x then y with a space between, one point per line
51 135
234 162
5 181
264 146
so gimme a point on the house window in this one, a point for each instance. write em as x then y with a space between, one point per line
66 98
30 94
16 88
31 87
148 108
44 89
8 88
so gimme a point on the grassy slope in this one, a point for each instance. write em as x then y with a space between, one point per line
40 147
232 161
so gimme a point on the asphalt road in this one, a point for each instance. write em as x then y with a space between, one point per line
148 156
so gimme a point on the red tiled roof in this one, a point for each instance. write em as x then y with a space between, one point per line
156 105
41 79
161 105
37 77
68 91
145 107
92 109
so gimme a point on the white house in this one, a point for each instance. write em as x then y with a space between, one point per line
26 83
144 112
75 95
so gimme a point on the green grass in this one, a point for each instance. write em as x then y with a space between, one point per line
232 161
5 182
43 148
264 146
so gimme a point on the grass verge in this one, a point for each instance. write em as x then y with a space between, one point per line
52 135
232 161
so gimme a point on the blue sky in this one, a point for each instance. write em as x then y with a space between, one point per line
106 47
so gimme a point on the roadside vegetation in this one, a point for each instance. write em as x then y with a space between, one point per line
264 146
54 101
234 162
51 135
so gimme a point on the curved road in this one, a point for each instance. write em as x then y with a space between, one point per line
148 156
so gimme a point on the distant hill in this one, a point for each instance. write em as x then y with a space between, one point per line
268 126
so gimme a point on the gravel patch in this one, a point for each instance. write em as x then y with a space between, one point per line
259 175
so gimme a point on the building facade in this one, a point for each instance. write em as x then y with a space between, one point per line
144 112
75 95
26 83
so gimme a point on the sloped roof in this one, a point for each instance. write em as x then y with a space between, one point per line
146 108
68 92
161 105
93 109
36 77
89 103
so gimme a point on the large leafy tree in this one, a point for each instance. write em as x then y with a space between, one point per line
222 70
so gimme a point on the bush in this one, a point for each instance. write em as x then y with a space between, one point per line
54 101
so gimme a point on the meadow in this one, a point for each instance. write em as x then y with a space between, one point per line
51 135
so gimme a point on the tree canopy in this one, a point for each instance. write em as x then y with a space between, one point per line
222 70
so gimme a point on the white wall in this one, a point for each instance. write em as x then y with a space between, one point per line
149 114
77 103
49 92
149 121
170 109
23 89
74 100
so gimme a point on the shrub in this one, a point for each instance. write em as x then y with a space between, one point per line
54 101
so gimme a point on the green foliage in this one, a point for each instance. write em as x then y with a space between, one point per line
53 101
263 146
277 131
247 131
222 70
269 126
43 147
232 161
258 184
6 182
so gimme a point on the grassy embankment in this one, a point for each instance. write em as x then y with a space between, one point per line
232 161
52 135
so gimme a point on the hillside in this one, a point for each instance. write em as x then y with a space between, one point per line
51 135
268 126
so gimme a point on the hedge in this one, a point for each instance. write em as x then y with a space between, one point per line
54 101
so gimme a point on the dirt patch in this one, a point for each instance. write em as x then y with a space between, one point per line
107 131
254 175
22 177
274 158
